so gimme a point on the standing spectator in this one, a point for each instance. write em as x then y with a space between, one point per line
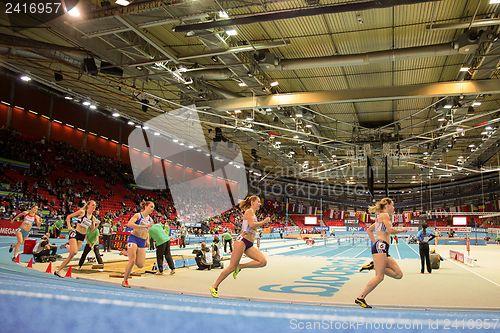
423 245
228 239
92 237
106 235
183 232
161 235
55 228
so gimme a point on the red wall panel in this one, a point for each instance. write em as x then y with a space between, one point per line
101 146
69 112
66 134
3 114
31 125
31 98
125 155
104 125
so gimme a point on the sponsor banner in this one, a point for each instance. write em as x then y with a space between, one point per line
337 229
8 228
417 221
192 225
351 221
456 229
266 230
323 227
274 229
479 230
411 229
494 231
292 230
355 228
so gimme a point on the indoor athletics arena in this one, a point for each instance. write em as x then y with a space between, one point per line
249 166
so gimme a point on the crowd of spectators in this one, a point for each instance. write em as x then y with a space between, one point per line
60 178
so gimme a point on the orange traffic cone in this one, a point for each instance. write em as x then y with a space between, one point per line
49 268
68 273
30 264
18 258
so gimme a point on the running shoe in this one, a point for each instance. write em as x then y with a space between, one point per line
56 273
172 272
367 267
11 248
362 303
159 273
214 292
236 272
125 284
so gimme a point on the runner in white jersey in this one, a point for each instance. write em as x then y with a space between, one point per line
382 261
29 217
86 220
244 243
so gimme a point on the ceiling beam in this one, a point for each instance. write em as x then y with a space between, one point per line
299 12
149 38
453 88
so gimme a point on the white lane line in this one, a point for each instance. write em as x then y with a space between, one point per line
469 270
219 311
166 298
349 249
359 253
411 248
397 250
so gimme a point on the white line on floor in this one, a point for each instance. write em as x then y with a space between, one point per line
220 311
418 255
397 250
470 270
359 253
336 255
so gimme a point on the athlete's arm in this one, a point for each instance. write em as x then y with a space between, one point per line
79 213
131 222
19 216
95 223
369 231
251 223
38 220
388 225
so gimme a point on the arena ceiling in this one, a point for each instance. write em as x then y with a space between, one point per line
313 85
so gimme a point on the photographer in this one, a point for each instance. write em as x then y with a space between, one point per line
43 249
204 258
